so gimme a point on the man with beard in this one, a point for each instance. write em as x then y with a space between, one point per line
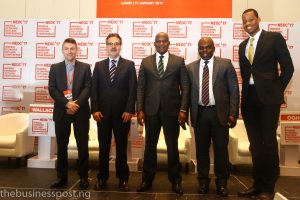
113 104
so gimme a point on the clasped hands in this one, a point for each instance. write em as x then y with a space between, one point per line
182 118
72 107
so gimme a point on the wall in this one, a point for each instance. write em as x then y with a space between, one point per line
270 10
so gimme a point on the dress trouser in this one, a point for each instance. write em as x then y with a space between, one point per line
106 127
261 122
81 128
208 128
170 127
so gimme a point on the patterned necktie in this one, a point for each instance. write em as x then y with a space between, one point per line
112 70
161 66
205 84
251 51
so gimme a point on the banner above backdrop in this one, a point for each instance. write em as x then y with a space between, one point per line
164 9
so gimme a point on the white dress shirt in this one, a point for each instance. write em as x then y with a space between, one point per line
165 59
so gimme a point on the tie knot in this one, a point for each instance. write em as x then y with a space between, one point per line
251 41
206 62
113 62
161 57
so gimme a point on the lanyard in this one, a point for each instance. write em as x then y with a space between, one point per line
70 77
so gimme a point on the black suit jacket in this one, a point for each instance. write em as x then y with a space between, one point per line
169 93
113 99
271 49
80 91
225 89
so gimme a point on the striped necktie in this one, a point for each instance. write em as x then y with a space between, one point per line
112 70
161 66
205 84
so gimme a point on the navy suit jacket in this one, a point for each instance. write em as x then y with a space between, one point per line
113 99
80 90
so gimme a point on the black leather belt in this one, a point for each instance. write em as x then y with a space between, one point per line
206 107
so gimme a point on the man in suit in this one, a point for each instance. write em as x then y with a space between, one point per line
214 108
69 86
162 100
113 98
262 95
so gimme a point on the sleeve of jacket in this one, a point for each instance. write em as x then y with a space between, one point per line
233 88
56 95
184 86
285 61
130 105
141 88
86 91
94 91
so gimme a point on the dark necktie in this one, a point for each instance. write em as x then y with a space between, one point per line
161 66
112 70
205 84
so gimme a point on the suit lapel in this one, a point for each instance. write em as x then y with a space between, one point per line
119 68
259 46
196 69
76 74
106 69
63 74
154 68
216 68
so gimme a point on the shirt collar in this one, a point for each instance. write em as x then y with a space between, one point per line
256 36
116 59
166 55
68 63
209 61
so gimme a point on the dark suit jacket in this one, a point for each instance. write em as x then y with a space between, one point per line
80 91
225 89
113 99
271 49
170 93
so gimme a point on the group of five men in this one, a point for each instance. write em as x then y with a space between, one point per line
165 92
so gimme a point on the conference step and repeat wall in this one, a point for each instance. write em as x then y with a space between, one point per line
29 47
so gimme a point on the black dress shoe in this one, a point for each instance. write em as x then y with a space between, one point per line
265 196
222 191
203 188
100 185
250 192
123 185
144 186
60 183
177 188
84 183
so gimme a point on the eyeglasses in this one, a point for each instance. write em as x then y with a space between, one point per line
113 44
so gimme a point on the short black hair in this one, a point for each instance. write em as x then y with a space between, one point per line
251 10
114 35
70 40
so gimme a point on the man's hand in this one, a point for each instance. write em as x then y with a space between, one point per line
126 116
70 112
182 119
231 122
97 116
73 106
140 118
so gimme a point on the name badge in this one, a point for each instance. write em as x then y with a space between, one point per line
68 94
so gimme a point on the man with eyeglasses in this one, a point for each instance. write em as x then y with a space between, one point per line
214 107
162 101
113 98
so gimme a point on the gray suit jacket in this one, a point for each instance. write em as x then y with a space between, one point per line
169 93
225 89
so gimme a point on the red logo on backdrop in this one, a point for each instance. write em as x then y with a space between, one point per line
178 29
13 49
143 28
110 26
46 28
14 28
141 50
